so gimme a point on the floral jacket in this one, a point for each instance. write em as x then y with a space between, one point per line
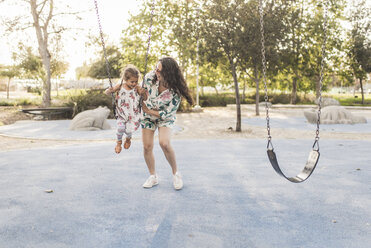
167 103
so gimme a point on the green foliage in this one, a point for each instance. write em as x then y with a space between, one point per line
350 100
20 102
58 67
90 99
31 64
184 106
98 68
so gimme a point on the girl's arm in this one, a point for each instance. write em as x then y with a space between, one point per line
113 89
142 92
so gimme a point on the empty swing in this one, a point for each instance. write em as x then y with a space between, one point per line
314 154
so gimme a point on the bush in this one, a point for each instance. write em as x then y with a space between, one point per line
19 102
282 98
184 106
36 90
90 100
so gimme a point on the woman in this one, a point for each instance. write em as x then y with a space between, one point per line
165 86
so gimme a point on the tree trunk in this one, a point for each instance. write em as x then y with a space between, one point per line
363 96
216 90
256 79
42 39
8 88
238 104
294 90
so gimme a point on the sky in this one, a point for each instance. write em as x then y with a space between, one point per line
114 16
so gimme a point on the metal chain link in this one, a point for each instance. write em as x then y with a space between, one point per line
323 53
103 43
149 39
261 12
105 57
105 52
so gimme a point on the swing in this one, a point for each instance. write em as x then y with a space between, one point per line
105 53
314 154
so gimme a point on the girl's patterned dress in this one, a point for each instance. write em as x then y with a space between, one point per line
128 112
167 103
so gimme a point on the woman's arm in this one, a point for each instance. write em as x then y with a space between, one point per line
170 108
150 111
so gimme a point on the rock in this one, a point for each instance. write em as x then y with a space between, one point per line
334 115
91 120
328 101
262 104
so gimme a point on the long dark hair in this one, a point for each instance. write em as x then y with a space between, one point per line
174 78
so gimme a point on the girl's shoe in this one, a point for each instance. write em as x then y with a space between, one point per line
127 143
118 146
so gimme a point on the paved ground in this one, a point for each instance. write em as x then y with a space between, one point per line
231 198
59 130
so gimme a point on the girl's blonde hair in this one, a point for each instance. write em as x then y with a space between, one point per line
130 71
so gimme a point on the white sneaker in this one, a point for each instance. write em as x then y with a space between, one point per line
152 180
177 181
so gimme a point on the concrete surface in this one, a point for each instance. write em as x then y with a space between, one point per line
231 198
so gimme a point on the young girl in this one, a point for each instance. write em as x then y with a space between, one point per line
128 105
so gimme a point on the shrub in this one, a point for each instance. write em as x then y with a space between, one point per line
90 100
36 90
19 102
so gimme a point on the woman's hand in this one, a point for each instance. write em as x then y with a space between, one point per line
153 112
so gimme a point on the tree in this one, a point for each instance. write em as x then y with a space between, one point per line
30 64
98 68
221 35
10 72
250 40
359 43
46 24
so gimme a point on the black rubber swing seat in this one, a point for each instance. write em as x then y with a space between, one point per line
304 174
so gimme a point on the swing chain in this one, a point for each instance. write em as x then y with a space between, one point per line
264 71
105 56
323 53
149 40
103 43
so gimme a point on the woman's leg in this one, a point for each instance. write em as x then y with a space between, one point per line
164 134
147 138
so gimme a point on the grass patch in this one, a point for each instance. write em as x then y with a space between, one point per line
350 100
20 102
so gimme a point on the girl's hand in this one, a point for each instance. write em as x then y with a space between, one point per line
145 108
142 92
108 91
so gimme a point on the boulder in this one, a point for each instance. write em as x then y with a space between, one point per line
334 115
328 101
91 120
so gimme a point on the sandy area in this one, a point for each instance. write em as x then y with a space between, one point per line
212 123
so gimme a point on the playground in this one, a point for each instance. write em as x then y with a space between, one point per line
64 190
